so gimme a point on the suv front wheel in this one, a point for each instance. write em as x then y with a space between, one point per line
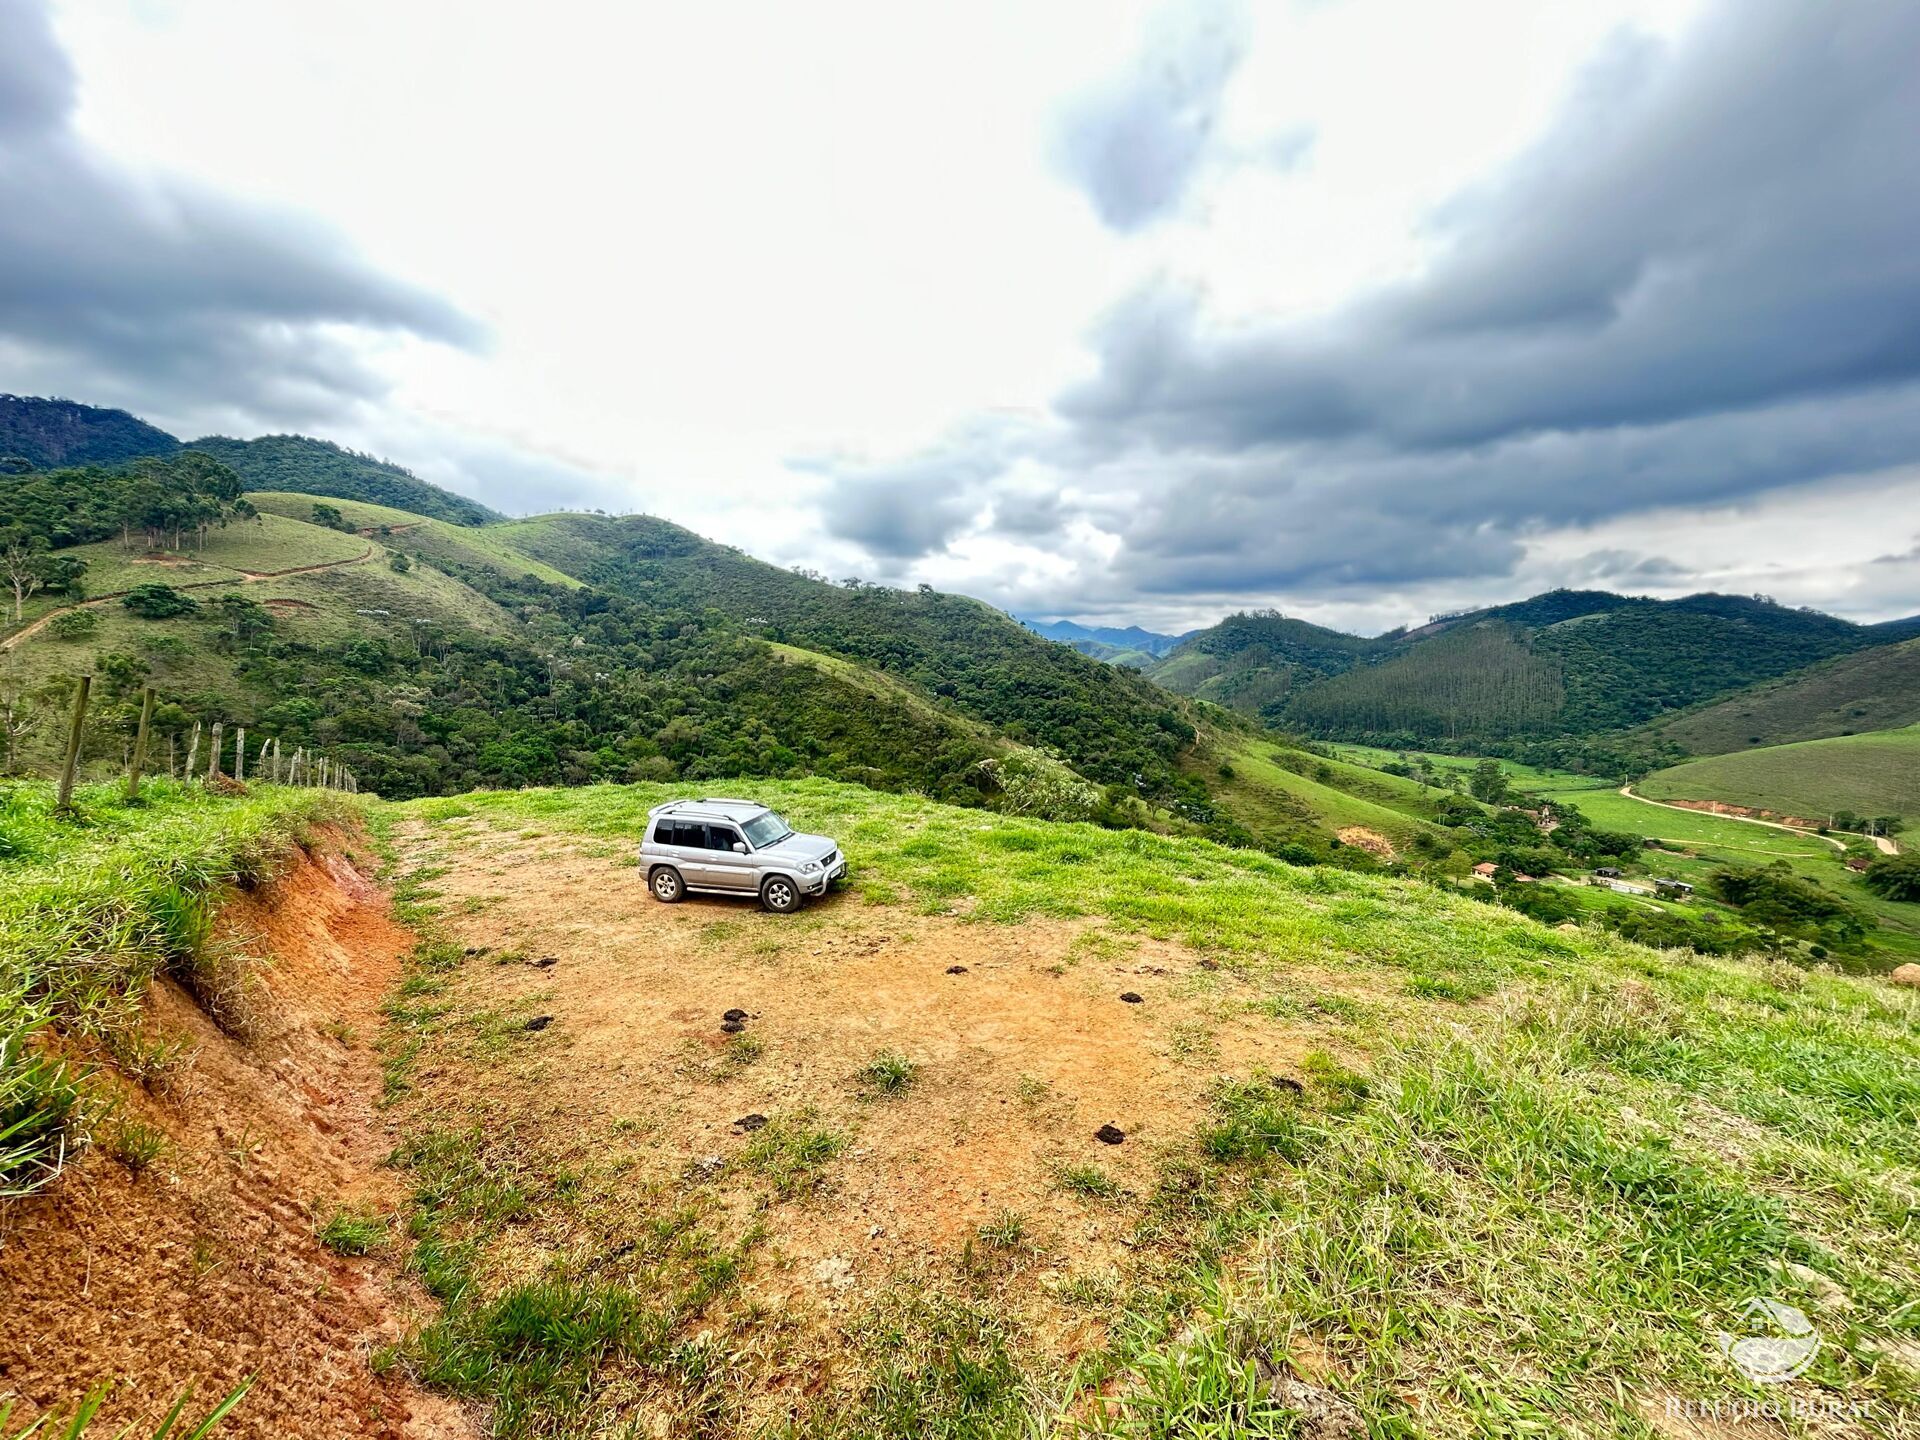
780 895
667 886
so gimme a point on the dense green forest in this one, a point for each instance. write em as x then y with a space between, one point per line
319 467
1582 678
46 433
1481 679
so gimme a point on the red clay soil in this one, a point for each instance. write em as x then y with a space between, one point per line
203 1269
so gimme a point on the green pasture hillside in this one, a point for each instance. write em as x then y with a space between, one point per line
448 546
1871 775
319 467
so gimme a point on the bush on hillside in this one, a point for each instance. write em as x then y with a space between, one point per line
158 602
1895 877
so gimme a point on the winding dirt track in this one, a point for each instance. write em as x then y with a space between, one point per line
243 577
1881 842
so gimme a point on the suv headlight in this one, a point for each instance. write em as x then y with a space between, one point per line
810 867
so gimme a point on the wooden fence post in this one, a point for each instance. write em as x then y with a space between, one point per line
65 803
193 754
240 754
213 754
140 744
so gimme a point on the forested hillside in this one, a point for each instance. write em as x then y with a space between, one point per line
434 657
60 432
319 467
1560 667
1253 663
1876 689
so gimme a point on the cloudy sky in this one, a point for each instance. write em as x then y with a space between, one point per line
1361 309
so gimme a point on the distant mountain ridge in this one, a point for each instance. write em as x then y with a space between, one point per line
1131 637
50 434
1566 663
53 432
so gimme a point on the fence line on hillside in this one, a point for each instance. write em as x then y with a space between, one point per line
316 770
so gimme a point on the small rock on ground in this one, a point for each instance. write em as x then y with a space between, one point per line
546 962
1323 1414
751 1122
835 1272
735 1014
956 969
1109 1134
732 1027
1908 974
539 1022
1132 998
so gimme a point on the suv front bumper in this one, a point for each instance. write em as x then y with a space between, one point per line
817 884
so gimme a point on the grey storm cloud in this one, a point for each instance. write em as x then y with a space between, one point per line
1728 225
1135 142
121 284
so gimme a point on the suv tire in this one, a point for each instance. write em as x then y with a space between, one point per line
780 895
667 886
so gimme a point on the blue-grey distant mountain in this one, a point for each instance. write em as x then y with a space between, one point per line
1150 643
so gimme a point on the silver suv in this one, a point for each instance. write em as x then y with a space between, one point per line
735 847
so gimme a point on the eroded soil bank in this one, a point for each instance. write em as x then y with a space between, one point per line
181 1248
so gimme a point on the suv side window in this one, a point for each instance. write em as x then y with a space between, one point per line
722 837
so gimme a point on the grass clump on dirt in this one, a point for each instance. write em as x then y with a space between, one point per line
353 1232
792 1151
889 1073
94 906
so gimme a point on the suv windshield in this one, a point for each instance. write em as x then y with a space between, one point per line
767 829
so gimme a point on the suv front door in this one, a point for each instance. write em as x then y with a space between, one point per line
727 868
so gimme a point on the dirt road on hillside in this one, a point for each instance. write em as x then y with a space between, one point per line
243 577
1840 845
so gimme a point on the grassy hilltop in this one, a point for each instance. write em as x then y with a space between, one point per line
1391 1154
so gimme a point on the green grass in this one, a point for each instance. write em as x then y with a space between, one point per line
92 908
1872 774
889 1073
1276 800
353 1232
1541 1171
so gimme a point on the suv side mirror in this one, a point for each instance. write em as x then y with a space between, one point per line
739 847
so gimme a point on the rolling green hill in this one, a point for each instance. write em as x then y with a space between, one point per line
1875 689
319 467
1872 774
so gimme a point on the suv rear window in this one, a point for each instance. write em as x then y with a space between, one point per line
690 833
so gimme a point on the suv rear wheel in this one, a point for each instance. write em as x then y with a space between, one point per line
780 895
667 886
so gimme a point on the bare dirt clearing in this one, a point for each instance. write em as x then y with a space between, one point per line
962 1071
200 1266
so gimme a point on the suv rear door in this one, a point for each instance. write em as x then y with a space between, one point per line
685 841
